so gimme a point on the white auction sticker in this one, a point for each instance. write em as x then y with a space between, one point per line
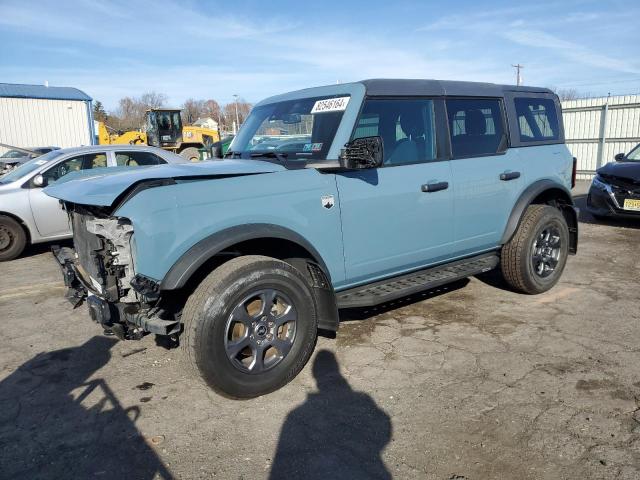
330 105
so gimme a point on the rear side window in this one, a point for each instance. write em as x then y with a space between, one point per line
537 119
133 159
476 127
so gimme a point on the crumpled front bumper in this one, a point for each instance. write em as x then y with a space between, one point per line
101 311
76 288
116 318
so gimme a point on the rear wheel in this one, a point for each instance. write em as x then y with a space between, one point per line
191 154
533 260
13 238
250 326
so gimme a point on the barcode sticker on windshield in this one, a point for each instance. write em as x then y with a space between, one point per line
330 105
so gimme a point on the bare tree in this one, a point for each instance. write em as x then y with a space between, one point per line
153 100
192 110
212 109
244 108
131 110
127 116
567 93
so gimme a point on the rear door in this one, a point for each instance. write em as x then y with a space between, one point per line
487 175
398 217
51 220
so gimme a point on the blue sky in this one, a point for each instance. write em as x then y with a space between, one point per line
208 49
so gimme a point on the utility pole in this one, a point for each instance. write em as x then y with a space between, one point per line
235 98
518 67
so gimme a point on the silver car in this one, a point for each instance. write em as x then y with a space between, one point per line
27 215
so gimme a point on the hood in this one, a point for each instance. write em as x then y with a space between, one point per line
104 187
626 170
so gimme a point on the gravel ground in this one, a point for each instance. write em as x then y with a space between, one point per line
471 381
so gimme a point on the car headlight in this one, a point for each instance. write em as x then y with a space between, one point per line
600 184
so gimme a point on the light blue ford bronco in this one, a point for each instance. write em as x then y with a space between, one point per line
340 196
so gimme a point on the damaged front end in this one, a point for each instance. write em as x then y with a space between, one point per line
100 269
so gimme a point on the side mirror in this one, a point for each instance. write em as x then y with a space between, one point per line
216 150
619 157
39 181
366 152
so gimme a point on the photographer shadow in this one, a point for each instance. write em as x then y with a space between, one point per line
56 422
337 433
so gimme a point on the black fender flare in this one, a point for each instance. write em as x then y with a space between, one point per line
315 269
205 249
566 206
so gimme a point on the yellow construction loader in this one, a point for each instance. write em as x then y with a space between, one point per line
163 128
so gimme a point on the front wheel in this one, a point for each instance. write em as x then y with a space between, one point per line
533 260
13 238
250 326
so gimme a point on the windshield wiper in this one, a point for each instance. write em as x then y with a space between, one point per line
278 155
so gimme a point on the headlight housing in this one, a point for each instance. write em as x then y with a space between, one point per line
600 184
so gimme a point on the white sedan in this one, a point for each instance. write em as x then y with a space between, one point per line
27 215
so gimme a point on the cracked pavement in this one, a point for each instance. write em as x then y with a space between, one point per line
470 381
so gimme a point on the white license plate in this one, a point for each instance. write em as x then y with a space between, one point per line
631 204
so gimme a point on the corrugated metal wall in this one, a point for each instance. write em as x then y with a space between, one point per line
596 129
27 122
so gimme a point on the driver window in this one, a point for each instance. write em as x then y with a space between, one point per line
406 126
74 164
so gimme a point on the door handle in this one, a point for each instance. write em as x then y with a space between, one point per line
506 176
434 187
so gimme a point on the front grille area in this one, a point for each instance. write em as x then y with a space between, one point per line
623 188
621 193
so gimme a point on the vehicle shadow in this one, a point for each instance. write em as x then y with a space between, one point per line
363 313
40 248
337 433
57 422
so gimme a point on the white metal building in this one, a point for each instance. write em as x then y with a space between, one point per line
40 116
596 129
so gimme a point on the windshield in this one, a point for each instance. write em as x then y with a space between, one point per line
29 166
293 129
13 154
634 155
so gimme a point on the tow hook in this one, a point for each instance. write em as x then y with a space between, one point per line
122 332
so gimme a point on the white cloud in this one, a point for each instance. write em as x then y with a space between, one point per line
111 49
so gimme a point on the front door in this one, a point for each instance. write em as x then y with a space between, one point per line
397 217
50 219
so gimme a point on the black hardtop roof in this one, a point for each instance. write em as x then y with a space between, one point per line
407 87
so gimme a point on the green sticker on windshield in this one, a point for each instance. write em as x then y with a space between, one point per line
307 147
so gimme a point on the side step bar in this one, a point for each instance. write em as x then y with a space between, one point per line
396 287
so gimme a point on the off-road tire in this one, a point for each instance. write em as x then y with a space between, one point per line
191 154
209 307
516 258
13 238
